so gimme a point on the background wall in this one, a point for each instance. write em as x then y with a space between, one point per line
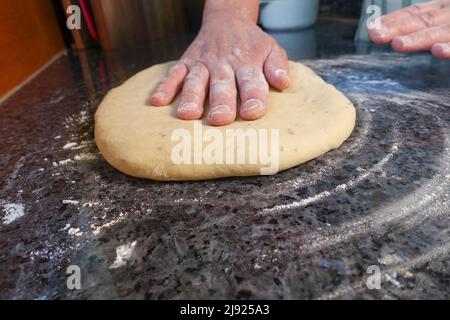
341 8
29 38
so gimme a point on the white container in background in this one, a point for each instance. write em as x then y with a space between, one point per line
288 14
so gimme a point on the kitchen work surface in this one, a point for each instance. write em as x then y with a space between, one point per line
319 230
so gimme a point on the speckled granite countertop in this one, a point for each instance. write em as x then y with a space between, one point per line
310 232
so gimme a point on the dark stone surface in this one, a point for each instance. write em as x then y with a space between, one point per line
309 232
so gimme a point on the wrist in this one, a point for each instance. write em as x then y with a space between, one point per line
231 10
227 16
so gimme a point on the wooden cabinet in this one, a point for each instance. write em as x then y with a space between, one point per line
29 38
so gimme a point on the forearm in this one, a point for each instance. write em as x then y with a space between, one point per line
244 9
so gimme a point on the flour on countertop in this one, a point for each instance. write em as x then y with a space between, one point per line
70 145
74 202
12 212
85 156
123 254
75 232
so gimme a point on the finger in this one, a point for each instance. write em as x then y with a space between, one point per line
194 92
222 96
382 34
253 90
409 21
422 40
276 68
169 87
441 50
415 9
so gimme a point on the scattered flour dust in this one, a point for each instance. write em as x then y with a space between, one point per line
97 229
74 122
70 145
76 146
74 202
83 144
66 227
85 156
123 254
77 119
91 204
340 188
12 212
75 232
62 162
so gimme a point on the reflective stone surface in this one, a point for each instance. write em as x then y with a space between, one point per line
382 199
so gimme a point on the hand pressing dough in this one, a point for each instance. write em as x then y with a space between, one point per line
302 123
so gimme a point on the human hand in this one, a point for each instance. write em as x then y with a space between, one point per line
419 27
228 54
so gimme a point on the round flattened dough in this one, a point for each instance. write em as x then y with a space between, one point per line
312 118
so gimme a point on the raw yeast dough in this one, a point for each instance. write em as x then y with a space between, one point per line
302 123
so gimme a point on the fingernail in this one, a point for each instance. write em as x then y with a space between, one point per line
251 105
219 111
282 75
159 95
405 41
188 107
401 43
445 48
381 31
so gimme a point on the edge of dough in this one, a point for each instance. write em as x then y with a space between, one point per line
134 161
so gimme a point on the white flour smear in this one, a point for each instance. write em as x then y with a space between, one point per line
424 203
12 212
436 253
352 148
340 188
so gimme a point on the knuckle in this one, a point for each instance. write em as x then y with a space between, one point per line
186 60
427 18
283 53
271 41
222 98
224 87
223 71
199 67
255 86
193 77
189 95
196 77
222 95
277 61
446 29
177 68
220 86
428 34
193 88
415 9
238 54
249 72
